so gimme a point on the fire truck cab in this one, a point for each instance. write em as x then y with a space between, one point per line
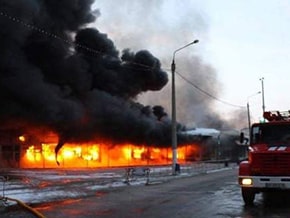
267 168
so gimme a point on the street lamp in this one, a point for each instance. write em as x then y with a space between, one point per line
173 111
248 109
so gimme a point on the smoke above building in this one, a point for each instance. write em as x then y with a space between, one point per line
162 27
57 73
60 72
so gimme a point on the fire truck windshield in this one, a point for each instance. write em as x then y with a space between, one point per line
271 133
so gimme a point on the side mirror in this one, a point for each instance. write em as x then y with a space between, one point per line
242 138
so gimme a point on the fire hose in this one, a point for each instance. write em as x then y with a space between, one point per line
25 206
20 203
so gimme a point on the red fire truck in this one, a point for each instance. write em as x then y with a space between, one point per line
268 166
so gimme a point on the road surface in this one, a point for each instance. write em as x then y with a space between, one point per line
214 194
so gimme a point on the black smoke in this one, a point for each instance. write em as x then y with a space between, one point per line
163 33
57 73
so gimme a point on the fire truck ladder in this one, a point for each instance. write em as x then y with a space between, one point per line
277 115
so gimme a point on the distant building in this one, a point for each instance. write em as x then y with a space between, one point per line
220 145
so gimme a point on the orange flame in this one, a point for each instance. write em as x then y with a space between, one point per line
102 155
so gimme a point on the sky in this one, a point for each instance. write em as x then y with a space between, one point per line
240 42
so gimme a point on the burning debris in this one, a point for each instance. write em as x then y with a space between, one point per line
58 74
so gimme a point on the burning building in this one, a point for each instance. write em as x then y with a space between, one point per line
63 83
37 150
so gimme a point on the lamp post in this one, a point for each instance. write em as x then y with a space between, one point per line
248 109
173 111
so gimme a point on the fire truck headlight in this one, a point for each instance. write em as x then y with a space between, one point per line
246 181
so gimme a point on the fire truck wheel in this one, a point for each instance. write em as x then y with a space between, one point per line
248 196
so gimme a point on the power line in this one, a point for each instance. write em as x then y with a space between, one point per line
207 93
54 36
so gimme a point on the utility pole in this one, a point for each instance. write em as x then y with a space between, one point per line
263 96
248 109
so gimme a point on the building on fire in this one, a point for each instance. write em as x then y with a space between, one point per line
21 150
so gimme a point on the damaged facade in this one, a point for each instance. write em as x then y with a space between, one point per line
31 151
22 150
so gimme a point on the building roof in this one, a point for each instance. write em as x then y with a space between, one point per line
203 132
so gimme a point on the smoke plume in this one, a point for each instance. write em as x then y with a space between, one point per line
162 27
58 73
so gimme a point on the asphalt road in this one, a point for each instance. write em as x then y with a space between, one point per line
197 196
206 195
